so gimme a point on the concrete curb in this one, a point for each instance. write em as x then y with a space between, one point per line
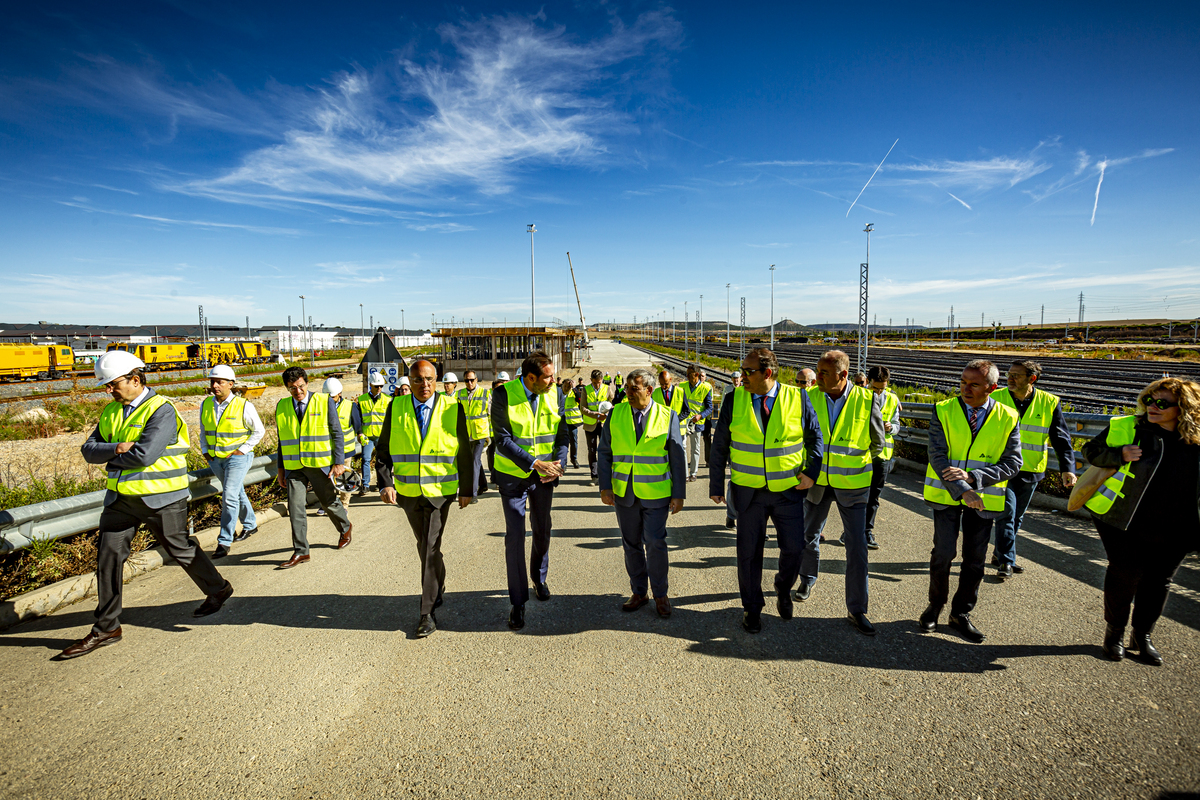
48 599
1039 500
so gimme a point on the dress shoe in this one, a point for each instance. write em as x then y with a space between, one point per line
804 591
541 591
220 552
212 604
516 617
635 602
437 603
574 465
1146 651
344 539
929 618
783 602
663 606
474 500
245 534
751 621
962 623
730 523
89 643
872 544
1112 642
321 512
842 540
821 538
295 560
1004 571
362 490
426 626
1017 568
860 621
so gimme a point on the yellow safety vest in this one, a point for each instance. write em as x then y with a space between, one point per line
847 462
573 413
169 473
306 442
694 399
374 411
1121 431
425 466
226 436
479 412
678 402
595 396
349 441
774 458
534 435
644 461
890 402
1035 427
968 453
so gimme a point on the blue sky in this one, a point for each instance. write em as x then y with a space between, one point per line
159 156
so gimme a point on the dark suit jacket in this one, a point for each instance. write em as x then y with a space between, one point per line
462 458
719 455
507 445
336 437
939 458
675 457
158 434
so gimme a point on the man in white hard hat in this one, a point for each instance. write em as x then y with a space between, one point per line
350 418
143 443
229 430
450 385
477 403
372 408
403 386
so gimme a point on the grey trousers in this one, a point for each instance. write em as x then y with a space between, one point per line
168 525
327 495
692 441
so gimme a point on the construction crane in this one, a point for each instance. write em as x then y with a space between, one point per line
582 322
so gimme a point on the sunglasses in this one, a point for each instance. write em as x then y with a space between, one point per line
751 371
1160 404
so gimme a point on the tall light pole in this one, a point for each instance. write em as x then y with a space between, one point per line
772 306
361 323
685 329
532 317
727 315
672 324
700 328
864 329
302 317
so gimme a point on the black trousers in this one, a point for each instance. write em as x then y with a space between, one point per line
879 473
532 498
574 446
168 525
478 446
707 436
593 445
1137 574
428 522
976 531
491 453
786 510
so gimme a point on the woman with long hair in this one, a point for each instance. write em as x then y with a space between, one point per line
1148 513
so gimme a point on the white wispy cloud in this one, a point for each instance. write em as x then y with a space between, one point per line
771 244
959 199
979 175
81 203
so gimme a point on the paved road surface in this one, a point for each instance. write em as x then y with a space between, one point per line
308 683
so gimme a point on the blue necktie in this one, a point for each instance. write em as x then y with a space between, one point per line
422 415
639 420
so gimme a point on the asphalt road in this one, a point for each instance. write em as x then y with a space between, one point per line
309 683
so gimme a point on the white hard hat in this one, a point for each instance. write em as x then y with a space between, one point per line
605 407
503 376
332 386
222 371
403 381
377 379
114 364
449 377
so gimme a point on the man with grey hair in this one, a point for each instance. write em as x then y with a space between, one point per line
806 378
974 449
643 475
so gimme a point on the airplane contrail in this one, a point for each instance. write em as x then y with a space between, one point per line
1095 205
959 199
868 183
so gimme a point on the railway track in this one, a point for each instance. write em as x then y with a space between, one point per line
1088 384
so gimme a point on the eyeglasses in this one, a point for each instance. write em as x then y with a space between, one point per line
1160 404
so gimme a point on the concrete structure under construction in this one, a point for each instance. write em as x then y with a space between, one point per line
490 350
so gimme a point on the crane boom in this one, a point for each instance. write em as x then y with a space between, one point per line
577 303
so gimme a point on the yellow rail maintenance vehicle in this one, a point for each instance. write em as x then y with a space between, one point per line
158 355
40 362
241 351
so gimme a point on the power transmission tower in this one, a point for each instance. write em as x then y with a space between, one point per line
863 323
742 336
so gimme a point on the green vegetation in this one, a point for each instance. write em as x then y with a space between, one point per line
39 491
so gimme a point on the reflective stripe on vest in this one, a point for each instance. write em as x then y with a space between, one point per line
774 459
1121 431
594 396
533 435
226 436
642 460
573 412
307 442
374 412
678 403
984 450
847 462
478 406
694 399
890 403
425 466
169 473
349 441
1035 427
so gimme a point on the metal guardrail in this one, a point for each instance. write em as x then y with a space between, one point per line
55 519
